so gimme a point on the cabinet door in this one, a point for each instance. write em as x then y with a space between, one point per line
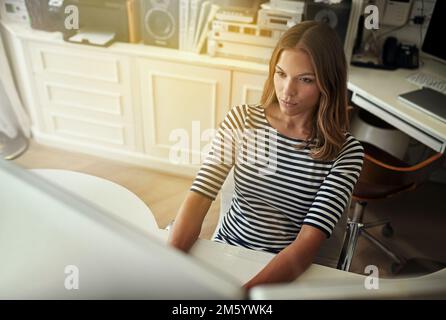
85 95
181 105
247 87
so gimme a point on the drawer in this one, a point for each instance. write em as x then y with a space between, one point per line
85 96
90 131
74 97
87 63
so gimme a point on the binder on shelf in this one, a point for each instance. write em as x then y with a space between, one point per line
204 23
133 21
204 11
183 23
194 12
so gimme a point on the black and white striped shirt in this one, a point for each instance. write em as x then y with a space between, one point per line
278 187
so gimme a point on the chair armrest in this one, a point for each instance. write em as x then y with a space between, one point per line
415 167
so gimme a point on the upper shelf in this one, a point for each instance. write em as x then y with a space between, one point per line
140 50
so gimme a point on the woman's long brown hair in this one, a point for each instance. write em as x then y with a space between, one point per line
330 121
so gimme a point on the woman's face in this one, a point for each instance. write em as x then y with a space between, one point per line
295 83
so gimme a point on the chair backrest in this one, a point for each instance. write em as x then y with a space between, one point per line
368 128
330 250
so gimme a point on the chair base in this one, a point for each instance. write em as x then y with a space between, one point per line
385 249
355 229
401 266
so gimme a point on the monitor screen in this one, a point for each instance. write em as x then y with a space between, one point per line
433 41
55 245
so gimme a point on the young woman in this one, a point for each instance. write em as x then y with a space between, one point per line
294 179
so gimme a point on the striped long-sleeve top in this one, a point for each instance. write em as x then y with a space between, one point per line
278 187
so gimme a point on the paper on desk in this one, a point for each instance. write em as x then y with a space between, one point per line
93 36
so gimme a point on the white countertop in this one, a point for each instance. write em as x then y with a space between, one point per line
141 50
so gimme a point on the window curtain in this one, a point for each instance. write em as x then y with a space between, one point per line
14 121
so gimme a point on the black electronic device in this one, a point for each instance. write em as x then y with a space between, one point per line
397 55
118 16
359 35
433 43
408 56
46 15
390 52
160 22
337 16
394 55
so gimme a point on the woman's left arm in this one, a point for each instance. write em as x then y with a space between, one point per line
292 261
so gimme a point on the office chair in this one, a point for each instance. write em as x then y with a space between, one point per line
383 175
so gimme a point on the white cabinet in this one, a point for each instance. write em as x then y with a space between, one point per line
247 87
85 96
128 102
179 104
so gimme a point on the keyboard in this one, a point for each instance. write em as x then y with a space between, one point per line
422 79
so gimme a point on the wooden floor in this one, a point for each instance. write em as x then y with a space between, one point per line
419 218
162 193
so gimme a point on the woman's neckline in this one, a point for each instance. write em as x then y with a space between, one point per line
277 131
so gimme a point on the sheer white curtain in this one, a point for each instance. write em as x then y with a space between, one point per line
14 121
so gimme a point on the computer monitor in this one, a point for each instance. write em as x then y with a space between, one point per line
433 44
54 245
49 236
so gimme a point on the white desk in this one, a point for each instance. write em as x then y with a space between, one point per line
54 243
243 264
106 194
239 263
377 92
432 286
317 282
